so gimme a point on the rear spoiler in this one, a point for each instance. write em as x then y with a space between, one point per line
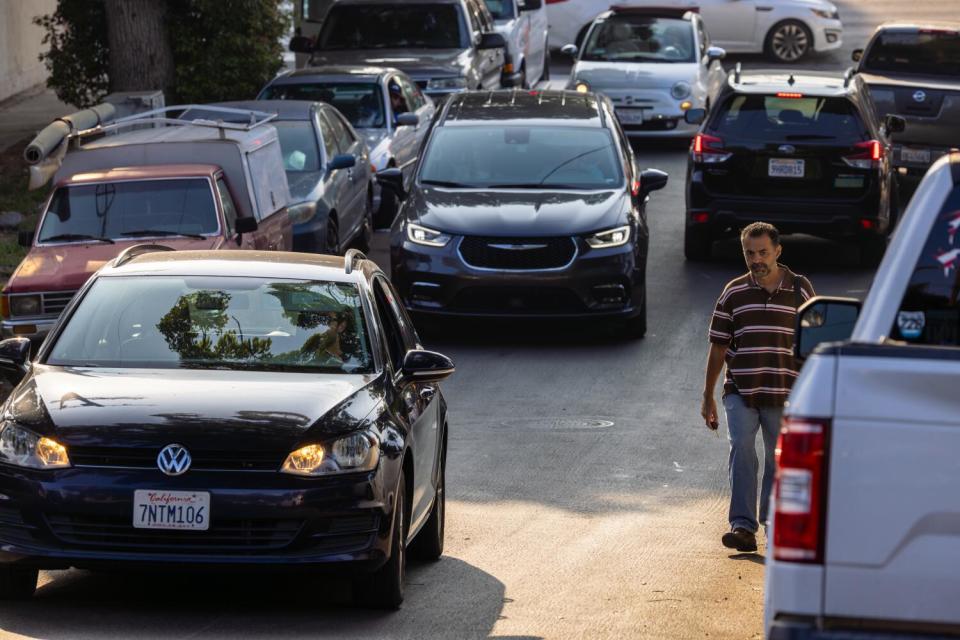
662 12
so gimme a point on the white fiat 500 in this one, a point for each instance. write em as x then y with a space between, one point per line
653 63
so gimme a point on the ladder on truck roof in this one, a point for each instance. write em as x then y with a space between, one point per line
154 117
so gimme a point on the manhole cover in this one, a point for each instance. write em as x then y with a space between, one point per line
558 424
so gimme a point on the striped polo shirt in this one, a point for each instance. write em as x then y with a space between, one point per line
757 327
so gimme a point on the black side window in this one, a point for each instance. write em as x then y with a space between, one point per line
392 332
345 139
930 311
329 138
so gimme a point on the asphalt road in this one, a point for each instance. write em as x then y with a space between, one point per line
585 498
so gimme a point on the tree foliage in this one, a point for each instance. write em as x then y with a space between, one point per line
222 49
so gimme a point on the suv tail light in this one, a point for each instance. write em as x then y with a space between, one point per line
801 490
708 149
867 155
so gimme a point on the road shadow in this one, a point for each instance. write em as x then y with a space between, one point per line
755 558
79 604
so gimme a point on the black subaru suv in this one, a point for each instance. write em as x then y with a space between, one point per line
804 151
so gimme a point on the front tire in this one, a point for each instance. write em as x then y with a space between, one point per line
635 328
17 583
383 589
697 244
331 239
428 545
788 41
365 237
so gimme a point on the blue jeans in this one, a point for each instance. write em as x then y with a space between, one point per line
743 422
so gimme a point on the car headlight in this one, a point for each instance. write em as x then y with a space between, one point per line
423 235
581 86
356 452
610 238
25 305
24 448
447 84
680 90
827 14
300 213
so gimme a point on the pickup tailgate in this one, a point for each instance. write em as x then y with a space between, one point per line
894 489
931 108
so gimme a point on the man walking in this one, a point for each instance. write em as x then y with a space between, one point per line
752 331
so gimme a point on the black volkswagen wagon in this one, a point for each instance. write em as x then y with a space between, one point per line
229 408
525 204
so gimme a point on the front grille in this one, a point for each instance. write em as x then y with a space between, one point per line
516 300
146 458
55 302
517 254
234 536
13 528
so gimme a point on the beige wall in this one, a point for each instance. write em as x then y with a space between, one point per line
20 44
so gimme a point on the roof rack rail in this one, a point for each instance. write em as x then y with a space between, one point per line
159 116
130 253
350 257
736 73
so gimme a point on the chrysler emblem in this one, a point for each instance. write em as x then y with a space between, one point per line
174 459
919 96
787 148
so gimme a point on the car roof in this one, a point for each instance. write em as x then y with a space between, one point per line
680 13
336 73
910 27
255 264
285 109
774 80
548 107
251 138
145 172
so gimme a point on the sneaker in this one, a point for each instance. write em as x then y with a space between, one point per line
740 539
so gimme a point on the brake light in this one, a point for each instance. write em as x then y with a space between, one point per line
635 187
708 149
789 95
867 155
801 490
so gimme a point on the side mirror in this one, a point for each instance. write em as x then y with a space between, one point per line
301 44
823 319
420 365
492 41
652 180
14 356
716 53
894 123
408 120
248 224
342 161
857 55
25 238
570 49
530 5
392 179
694 116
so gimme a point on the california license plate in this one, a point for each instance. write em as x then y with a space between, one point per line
920 156
171 510
630 116
784 168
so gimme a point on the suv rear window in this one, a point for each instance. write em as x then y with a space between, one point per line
392 26
926 52
930 311
769 118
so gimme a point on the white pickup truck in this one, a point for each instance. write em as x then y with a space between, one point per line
523 24
866 525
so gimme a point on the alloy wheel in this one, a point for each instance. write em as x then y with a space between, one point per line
790 42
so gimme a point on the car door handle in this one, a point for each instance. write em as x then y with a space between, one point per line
427 393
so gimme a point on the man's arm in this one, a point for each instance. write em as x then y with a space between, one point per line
715 361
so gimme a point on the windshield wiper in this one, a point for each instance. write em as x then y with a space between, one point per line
446 183
160 232
66 237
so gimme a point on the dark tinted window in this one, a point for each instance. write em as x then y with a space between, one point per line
928 52
298 144
775 119
391 328
500 9
131 209
391 26
217 322
525 157
229 208
360 102
641 39
930 311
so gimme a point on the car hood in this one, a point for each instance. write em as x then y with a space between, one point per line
66 267
202 409
418 63
303 184
517 212
633 75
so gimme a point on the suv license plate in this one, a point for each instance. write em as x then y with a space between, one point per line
783 168
921 156
171 510
630 116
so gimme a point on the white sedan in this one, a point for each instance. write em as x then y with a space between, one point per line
653 63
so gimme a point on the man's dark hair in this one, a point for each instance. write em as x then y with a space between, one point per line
760 229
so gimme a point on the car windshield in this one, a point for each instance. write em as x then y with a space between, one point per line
122 210
391 26
298 144
500 9
241 323
640 38
521 157
771 118
928 52
360 102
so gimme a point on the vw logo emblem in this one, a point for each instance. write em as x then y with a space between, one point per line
174 459
787 148
919 96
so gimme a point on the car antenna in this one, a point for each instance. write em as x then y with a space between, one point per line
791 81
736 73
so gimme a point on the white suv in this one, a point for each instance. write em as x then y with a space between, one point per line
786 30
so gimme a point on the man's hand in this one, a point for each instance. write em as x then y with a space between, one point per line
709 412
